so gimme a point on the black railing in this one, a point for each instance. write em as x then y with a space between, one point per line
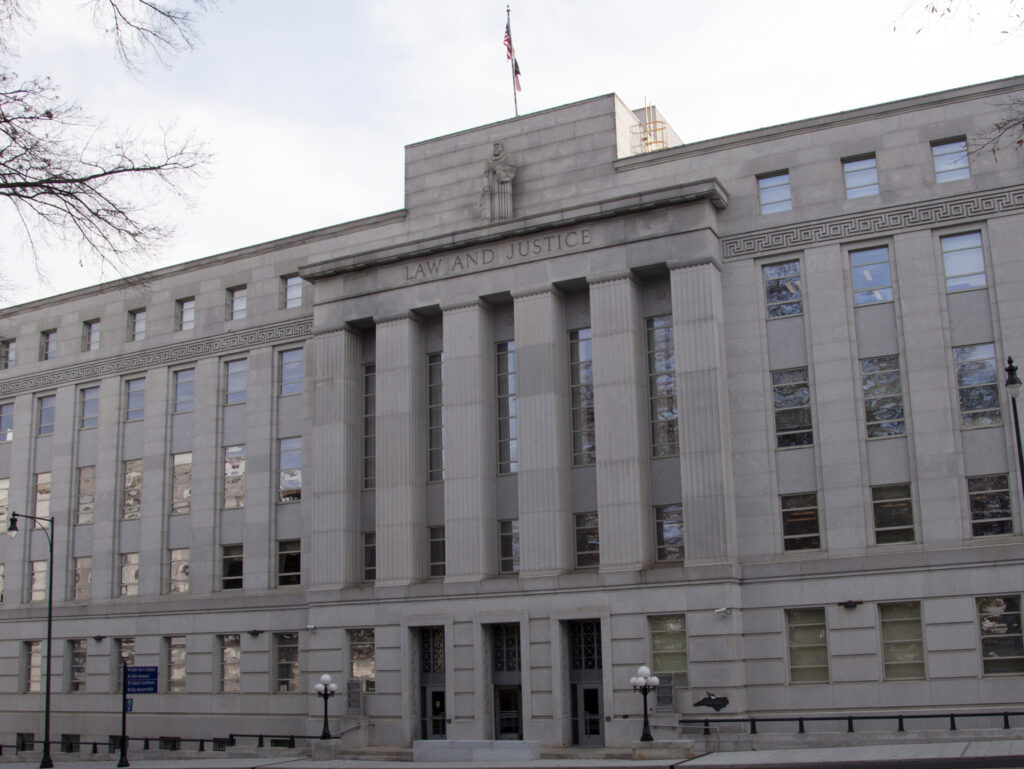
899 718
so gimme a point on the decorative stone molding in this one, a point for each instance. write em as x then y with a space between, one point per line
168 355
875 222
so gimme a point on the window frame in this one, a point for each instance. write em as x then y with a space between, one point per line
48 344
788 274
131 493
6 422
135 399
181 483
290 383
767 184
673 679
867 289
185 313
669 550
369 426
582 424
178 574
435 416
229 660
786 385
369 556
137 324
795 504
77 651
911 616
506 407
288 299
976 506
46 407
662 386
183 382
806 620
128 575
91 335
962 252
968 361
88 407
947 167
81 589
879 503
176 659
856 191
8 353
508 546
883 370
286 643
436 566
85 508
230 557
989 658
234 459
235 371
289 490
237 302
363 638
289 562
587 554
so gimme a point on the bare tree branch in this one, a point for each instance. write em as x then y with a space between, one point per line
141 29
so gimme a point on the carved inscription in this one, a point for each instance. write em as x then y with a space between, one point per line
502 253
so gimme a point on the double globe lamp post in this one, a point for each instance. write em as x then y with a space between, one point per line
326 689
645 683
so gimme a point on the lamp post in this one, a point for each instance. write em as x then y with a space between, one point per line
325 689
1013 385
645 683
12 532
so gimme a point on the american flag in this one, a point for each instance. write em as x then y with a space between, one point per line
510 54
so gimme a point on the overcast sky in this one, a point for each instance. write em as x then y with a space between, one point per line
306 105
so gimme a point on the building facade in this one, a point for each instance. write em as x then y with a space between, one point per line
733 409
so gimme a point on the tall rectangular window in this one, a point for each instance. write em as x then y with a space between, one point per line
91 336
76 672
185 314
963 261
290 365
8 353
369 556
883 396
37 592
783 290
134 399
44 487
286 662
124 655
6 422
5 502
800 527
894 513
234 477
175 650
668 531
435 536
362 656
1002 649
184 390
236 373
33 666
3 571
88 407
861 176
872 277
369 426
45 413
232 567
669 658
588 550
289 562
773 192
791 398
181 483
508 433
137 325
435 417
230 663
292 285
238 298
950 158
808 645
131 497
988 497
85 510
661 381
289 487
902 640
83 578
129 583
179 570
508 546
977 385
48 345
581 394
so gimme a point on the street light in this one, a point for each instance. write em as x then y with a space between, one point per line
645 683
1013 385
325 689
12 532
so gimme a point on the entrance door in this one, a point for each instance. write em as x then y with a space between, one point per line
433 713
508 713
585 677
586 715
436 719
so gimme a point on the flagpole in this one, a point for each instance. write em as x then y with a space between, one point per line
512 57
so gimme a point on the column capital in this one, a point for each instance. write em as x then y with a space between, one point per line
382 320
696 261
611 277
524 293
472 304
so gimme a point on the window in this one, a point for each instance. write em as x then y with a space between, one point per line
234 477
289 562
902 640
86 508
286 659
44 487
508 434
861 176
581 393
6 422
436 541
235 374
289 487
8 353
181 483
230 662
231 567
179 570
894 513
45 407
131 501
661 379
5 502
134 399
184 390
668 658
791 398
175 646
369 556
2 572
588 552
783 291
124 655
963 261
808 645
977 385
369 426
83 578
773 192
800 529
950 158
237 299
89 407
290 365
292 285
362 656
435 417
137 325
668 529
91 335
76 673
988 497
1001 648
185 314
872 279
33 665
129 574
48 345
38 585
883 396
508 546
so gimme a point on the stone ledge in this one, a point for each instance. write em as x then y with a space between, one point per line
475 750
671 749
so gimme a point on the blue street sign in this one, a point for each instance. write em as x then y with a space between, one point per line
141 680
128 703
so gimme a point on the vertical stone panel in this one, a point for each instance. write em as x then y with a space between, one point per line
153 520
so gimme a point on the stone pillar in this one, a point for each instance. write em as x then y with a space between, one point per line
471 540
542 359
620 397
401 452
705 445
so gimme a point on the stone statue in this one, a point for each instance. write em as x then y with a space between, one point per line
496 196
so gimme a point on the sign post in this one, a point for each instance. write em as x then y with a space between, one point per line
135 680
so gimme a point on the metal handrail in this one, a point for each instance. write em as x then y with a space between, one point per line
900 718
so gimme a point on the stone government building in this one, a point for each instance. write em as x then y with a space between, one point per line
593 398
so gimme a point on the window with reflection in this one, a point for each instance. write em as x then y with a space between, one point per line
783 290
872 277
581 393
882 388
977 385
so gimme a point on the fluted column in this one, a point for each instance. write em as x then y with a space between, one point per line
705 445
623 450
471 541
401 452
542 379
